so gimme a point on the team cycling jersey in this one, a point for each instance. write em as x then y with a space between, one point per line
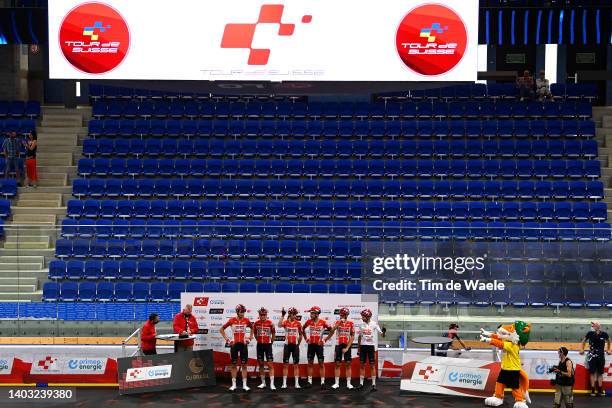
264 331
344 331
292 331
315 334
239 327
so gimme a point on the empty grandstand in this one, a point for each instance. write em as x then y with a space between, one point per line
414 179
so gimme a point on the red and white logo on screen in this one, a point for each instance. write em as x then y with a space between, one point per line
94 38
431 39
241 35
200 301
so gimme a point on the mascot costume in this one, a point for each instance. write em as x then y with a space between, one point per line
509 339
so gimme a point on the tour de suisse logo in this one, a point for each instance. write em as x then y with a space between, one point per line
94 38
431 39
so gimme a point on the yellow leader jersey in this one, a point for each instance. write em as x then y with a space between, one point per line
510 357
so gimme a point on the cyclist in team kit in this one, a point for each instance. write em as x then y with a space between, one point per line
293 338
367 342
315 341
346 334
264 334
238 344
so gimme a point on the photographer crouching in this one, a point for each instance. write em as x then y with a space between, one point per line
564 380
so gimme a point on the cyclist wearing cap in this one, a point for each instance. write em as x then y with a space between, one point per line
315 341
367 342
293 338
346 334
238 344
264 334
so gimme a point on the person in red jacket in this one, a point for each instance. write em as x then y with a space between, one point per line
184 324
148 336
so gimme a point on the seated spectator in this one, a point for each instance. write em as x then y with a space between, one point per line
543 87
525 85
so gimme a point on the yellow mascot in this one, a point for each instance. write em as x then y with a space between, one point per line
509 339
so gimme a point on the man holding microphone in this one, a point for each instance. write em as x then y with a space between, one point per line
184 325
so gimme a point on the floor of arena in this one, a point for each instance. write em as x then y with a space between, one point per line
217 397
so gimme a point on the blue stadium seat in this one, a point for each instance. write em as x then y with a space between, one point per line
57 270
92 270
51 292
146 269
87 292
69 292
105 292
229 287
300 288
538 296
174 291
212 287
248 287
593 296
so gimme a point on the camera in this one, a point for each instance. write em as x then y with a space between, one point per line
551 370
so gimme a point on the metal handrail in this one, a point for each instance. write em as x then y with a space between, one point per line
127 339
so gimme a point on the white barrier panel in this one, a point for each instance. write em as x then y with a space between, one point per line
303 40
16 364
50 364
451 376
212 310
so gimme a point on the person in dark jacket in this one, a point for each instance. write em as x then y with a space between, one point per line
564 380
596 356
185 324
148 335
10 149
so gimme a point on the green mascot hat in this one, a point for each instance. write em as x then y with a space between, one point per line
523 330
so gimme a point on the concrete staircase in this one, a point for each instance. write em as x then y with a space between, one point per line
603 119
37 212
